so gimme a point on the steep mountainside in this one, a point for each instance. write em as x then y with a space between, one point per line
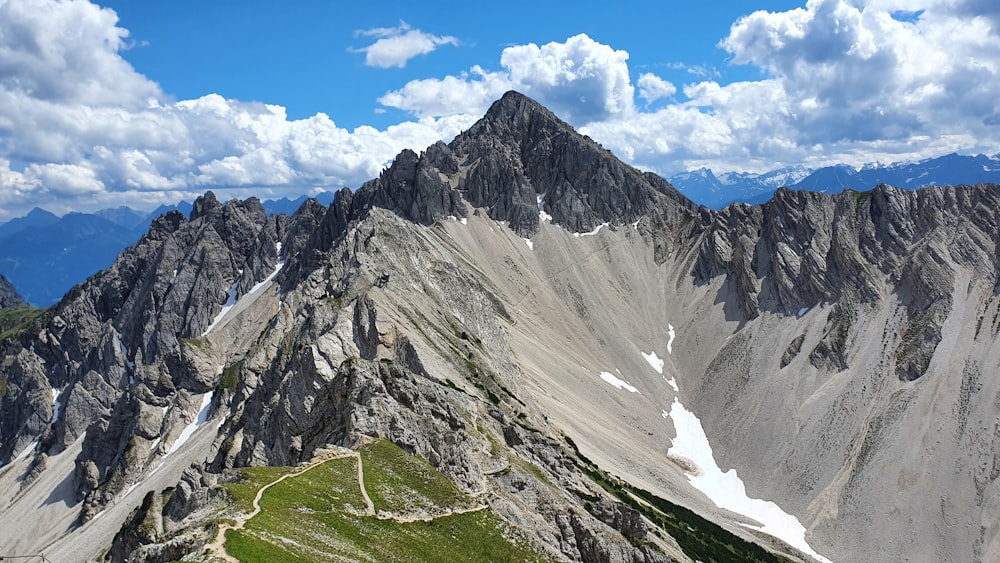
559 334
8 295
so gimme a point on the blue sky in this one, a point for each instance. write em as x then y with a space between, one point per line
298 53
141 103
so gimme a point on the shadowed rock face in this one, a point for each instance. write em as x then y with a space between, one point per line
8 295
518 160
520 152
817 339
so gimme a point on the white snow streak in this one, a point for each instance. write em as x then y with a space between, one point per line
123 350
596 230
542 215
189 430
230 302
257 286
55 404
618 383
670 338
654 361
727 490
531 245
25 452
673 383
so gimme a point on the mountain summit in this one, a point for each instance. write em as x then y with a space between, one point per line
519 163
517 338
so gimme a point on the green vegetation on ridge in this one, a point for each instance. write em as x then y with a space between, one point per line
15 321
701 539
320 515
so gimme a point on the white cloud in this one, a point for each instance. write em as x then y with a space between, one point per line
580 79
842 81
395 46
652 87
88 131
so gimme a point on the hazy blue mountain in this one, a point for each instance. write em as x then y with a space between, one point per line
831 179
290 206
126 217
716 191
45 261
44 256
184 207
707 189
35 218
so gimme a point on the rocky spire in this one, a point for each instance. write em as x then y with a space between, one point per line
523 160
520 162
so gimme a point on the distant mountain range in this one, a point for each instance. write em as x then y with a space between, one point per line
44 255
716 191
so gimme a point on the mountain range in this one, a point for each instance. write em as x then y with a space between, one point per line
718 191
45 255
514 346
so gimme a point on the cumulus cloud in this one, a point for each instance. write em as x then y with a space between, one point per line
395 46
842 80
652 88
859 74
580 79
80 128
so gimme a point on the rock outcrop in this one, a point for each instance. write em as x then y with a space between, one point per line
8 295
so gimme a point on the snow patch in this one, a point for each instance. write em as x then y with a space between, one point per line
123 350
726 489
55 405
230 302
231 299
673 383
617 383
531 245
200 420
257 286
25 452
654 361
596 230
464 221
542 215
670 338
802 311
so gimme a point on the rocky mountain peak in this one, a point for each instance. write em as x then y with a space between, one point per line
523 164
520 163
516 117
204 205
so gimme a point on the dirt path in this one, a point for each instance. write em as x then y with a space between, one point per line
218 546
217 549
